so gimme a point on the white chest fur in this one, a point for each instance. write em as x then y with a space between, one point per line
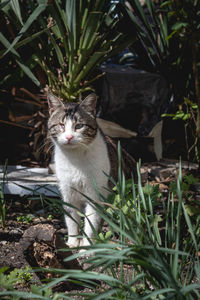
78 168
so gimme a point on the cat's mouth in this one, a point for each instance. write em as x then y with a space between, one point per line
70 144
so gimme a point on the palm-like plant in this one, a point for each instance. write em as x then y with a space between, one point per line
67 39
57 44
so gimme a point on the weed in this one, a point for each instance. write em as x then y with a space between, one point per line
152 256
50 217
15 277
187 180
25 219
192 206
23 277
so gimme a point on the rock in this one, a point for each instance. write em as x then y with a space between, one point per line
21 180
41 244
3 242
16 231
168 172
38 247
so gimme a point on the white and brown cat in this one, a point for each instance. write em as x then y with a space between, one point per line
82 155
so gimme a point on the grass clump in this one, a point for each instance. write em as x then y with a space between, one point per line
153 252
149 250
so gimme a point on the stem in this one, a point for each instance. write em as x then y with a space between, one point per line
186 142
197 86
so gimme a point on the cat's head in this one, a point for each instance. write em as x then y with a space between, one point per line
70 124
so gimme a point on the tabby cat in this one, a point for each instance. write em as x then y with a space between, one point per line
82 155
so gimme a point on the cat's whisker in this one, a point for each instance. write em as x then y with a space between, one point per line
84 146
49 148
46 143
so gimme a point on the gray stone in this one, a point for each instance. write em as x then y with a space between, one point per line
21 180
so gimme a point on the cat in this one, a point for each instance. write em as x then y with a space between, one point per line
82 155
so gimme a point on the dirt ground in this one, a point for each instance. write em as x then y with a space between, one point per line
34 232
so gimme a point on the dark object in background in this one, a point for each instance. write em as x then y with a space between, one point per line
13 138
140 147
133 98
173 137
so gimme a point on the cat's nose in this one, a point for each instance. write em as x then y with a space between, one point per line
69 138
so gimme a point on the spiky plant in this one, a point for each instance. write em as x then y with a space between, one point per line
66 39
152 252
58 45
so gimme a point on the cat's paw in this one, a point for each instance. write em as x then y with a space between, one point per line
73 243
84 242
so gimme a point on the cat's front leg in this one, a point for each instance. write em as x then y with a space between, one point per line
72 220
91 224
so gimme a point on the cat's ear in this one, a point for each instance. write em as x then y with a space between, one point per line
89 104
53 102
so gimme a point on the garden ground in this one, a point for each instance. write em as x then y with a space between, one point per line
34 229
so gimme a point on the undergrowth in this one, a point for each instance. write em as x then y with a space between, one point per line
150 249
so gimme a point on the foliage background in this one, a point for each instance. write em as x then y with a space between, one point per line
60 44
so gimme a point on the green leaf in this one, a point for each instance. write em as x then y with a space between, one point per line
33 17
25 68
23 295
179 25
189 224
160 292
16 9
168 115
4 3
186 117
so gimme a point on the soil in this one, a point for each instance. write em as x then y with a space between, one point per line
34 231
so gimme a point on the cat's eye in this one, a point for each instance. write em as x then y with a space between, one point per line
62 126
79 126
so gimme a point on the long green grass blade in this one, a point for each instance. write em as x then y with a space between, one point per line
178 224
16 9
160 292
4 3
190 288
23 295
71 19
190 228
107 294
